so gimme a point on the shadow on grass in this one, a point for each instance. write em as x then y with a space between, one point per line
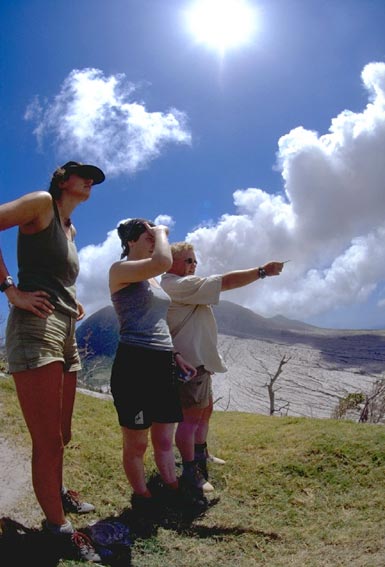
21 546
181 518
112 537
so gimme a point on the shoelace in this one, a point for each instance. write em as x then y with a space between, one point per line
82 541
73 496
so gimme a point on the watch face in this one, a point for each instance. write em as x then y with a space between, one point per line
8 282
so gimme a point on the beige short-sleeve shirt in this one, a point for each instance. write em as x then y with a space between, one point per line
191 319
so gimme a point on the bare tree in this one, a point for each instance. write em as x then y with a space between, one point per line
252 391
270 386
221 398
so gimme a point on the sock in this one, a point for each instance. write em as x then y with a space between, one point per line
188 468
201 458
65 528
201 450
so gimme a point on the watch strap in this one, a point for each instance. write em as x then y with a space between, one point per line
8 282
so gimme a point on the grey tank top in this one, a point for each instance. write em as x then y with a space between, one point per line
48 261
142 313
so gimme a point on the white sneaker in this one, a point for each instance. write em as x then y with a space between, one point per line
194 476
206 486
215 460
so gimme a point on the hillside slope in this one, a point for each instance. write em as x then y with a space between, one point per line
293 492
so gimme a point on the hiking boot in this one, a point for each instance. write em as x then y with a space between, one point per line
215 460
145 515
193 475
144 506
83 549
191 495
72 503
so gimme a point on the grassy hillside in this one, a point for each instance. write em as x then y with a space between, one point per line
294 491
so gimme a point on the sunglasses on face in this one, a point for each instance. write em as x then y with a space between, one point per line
191 261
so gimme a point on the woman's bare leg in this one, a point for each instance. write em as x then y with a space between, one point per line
134 447
40 393
162 436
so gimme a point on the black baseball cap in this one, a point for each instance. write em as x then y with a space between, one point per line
84 170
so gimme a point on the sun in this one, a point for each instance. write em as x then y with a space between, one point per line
221 24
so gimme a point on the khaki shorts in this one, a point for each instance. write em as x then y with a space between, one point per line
197 392
32 342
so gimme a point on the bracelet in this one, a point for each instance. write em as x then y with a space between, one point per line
262 273
177 352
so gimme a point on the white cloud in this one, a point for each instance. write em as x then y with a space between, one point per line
166 220
92 283
96 117
329 220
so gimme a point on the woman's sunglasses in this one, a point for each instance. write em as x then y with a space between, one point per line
191 261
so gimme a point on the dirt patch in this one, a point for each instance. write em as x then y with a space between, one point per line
17 499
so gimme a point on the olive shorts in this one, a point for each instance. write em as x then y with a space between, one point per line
32 342
197 392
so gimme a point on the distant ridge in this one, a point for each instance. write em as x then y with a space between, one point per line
292 324
233 319
100 332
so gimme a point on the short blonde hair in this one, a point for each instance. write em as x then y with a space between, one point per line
178 247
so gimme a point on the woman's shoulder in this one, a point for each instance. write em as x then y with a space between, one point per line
41 205
39 201
39 196
31 211
115 265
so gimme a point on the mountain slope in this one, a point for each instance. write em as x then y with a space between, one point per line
324 365
99 332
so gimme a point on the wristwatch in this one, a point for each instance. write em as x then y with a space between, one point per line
262 273
8 282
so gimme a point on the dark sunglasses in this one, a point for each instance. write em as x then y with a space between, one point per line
191 261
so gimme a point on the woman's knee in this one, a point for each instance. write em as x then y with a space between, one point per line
50 448
162 438
163 444
134 443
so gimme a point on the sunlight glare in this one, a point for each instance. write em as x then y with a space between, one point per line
222 24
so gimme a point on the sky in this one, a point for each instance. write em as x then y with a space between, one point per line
270 146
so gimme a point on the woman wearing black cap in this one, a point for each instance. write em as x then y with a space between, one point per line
40 337
143 378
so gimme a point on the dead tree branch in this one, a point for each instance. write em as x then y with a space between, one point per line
273 378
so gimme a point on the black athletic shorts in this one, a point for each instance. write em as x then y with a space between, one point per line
144 387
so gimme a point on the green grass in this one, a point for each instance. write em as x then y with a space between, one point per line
294 491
